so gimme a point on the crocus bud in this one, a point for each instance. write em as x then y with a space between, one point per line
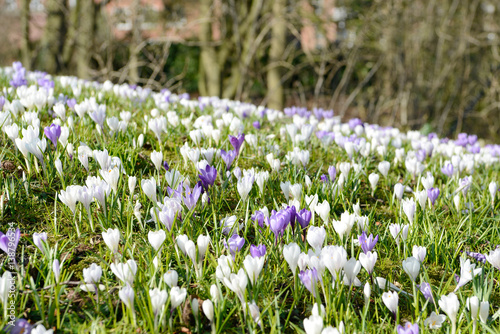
383 167
412 267
127 296
56 268
399 191
208 309
156 239
373 178
132 181
112 239
367 290
195 306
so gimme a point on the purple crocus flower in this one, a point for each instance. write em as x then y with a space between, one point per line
474 149
2 102
304 218
433 194
408 329
292 214
465 184
421 155
234 244
332 172
175 193
328 114
18 78
237 142
309 278
324 178
21 326
10 237
447 170
354 122
277 224
477 256
367 243
191 197
46 83
259 217
228 157
256 125
462 139
208 176
71 103
472 139
53 132
165 165
258 251
425 288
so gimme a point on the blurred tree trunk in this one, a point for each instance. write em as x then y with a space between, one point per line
84 41
209 82
54 36
133 62
74 20
25 34
277 48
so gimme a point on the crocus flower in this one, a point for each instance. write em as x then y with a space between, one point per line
412 267
127 296
467 272
171 278
450 305
477 256
191 197
419 253
158 299
316 236
10 237
332 173
259 217
258 251
493 257
391 300
408 329
39 239
304 218
228 157
447 170
19 326
234 244
367 243
253 267
236 142
368 260
291 254
53 132
313 324
208 176
208 309
309 278
433 194
112 238
256 125
434 321
165 165
277 224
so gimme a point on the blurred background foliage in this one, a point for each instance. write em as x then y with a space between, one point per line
421 64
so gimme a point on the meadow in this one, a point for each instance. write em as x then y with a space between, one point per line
126 210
